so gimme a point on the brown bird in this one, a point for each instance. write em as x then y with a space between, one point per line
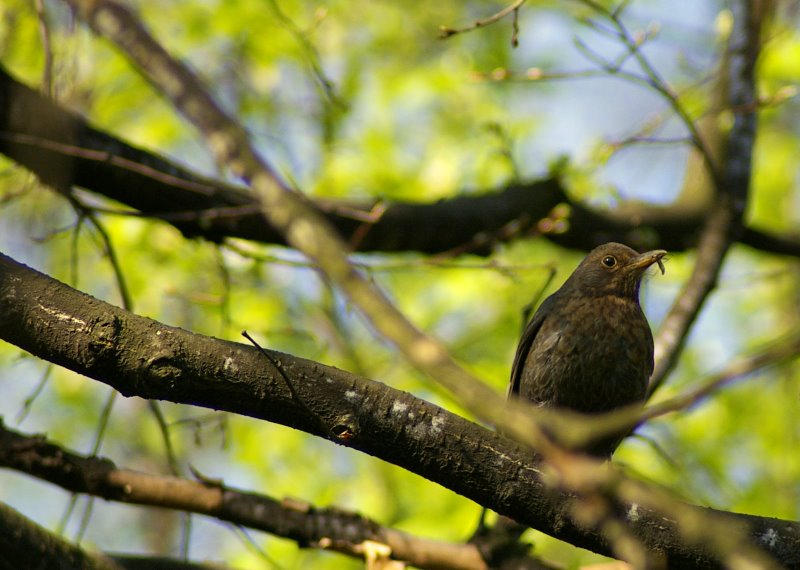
588 347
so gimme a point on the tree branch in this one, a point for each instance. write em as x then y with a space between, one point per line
328 528
141 357
64 150
513 8
779 351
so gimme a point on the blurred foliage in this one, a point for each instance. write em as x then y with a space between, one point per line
360 100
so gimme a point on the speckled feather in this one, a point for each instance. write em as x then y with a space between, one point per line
589 347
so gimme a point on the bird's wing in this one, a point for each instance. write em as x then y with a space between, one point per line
525 344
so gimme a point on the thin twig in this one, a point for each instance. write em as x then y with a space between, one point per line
781 351
312 56
47 48
657 83
109 251
394 266
27 405
446 32
292 390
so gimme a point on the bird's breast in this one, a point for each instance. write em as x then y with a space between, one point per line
591 355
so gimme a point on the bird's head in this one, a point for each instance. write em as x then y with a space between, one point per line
614 269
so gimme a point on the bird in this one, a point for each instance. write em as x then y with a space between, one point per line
588 347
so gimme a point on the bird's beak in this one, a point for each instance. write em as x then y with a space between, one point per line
645 260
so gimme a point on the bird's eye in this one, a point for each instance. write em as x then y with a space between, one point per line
609 261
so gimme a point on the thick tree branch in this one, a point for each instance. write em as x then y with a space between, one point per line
138 356
63 150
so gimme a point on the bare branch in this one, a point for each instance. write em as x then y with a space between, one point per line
780 351
311 55
327 528
513 8
47 48
64 150
651 77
